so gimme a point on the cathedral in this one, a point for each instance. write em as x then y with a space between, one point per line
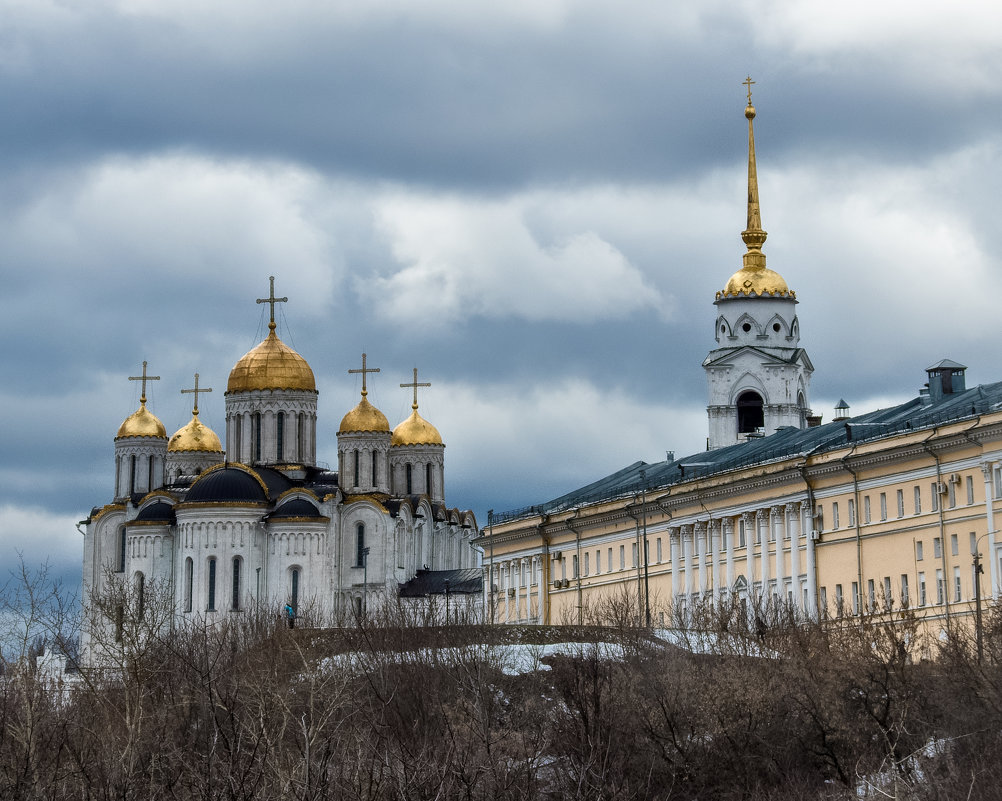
260 524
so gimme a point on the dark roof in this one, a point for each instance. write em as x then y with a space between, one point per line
918 413
227 484
156 512
297 507
432 582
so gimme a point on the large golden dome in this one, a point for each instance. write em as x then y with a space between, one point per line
761 282
415 430
142 423
195 437
271 365
364 417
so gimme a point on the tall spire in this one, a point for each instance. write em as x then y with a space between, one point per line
753 235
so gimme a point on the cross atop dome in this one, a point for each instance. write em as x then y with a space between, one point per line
271 300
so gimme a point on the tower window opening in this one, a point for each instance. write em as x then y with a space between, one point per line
189 568
295 590
211 606
427 478
375 465
409 471
751 412
776 327
256 422
235 602
140 595
746 327
149 473
132 474
356 469
280 436
360 545
121 550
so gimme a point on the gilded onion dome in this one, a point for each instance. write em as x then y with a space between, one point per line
754 279
271 365
364 417
142 423
415 430
195 437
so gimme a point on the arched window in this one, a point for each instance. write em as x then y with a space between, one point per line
149 474
237 446
132 474
294 594
189 569
410 487
301 436
375 472
427 478
235 600
211 606
360 545
280 436
356 468
751 412
256 431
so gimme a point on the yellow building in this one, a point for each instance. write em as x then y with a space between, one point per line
780 514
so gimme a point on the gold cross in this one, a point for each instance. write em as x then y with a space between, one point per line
144 378
415 384
196 390
748 82
272 300
363 371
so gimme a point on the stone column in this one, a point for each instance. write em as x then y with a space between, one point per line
812 583
699 541
540 589
687 544
778 535
748 519
673 546
793 528
988 470
761 523
713 553
728 533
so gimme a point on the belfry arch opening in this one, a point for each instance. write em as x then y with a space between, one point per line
751 412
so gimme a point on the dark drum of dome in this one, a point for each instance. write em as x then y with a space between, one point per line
296 508
228 484
157 511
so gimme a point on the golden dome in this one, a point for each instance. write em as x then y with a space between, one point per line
195 437
364 417
142 423
271 365
761 282
415 430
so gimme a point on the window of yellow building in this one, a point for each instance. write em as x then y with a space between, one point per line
852 512
622 557
659 549
835 515
951 493
587 563
939 587
970 490
866 509
921 581
609 562
918 501
883 505
901 503
937 547
918 551
871 596
934 490
954 545
956 584
855 598
904 589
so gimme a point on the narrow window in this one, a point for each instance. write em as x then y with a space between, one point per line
256 430
922 597
119 622
587 564
855 598
235 601
839 600
883 505
212 584
149 473
609 561
633 554
355 461
918 551
866 509
295 590
852 512
132 474
835 515
954 545
937 547
935 498
121 550
659 549
823 591
427 479
574 566
237 444
741 533
904 589
375 473
901 503
301 437
918 501
279 438
598 562
974 543
888 598
970 490
189 568
956 584
622 557
410 488
360 545
141 595
939 587
871 596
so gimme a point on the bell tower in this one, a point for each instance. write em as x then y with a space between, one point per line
758 376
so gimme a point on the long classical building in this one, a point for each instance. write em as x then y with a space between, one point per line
864 513
262 523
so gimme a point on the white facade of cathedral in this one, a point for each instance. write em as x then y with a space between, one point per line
758 377
261 525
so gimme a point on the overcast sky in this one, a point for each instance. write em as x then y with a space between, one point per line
533 202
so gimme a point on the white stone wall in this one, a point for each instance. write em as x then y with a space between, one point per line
418 457
296 447
143 449
364 444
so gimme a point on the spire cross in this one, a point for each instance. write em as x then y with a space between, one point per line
144 378
363 371
272 300
196 390
415 384
748 83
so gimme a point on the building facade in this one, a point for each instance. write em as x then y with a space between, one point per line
262 524
864 514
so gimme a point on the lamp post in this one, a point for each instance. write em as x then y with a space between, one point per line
647 586
978 571
365 580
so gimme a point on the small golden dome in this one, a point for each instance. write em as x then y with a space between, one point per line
364 417
761 282
271 365
142 423
415 430
195 437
